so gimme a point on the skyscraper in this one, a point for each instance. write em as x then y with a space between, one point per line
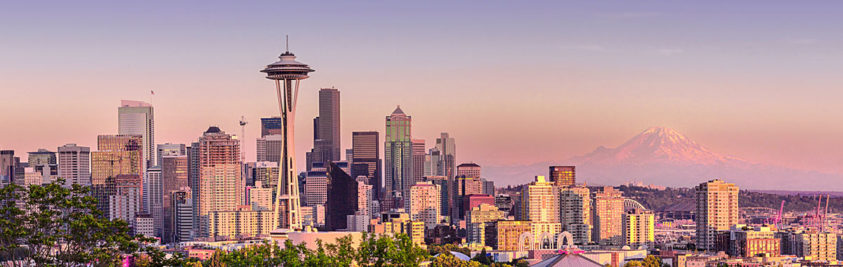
540 206
156 198
366 159
326 142
562 175
575 213
137 118
342 196
7 166
398 149
221 187
448 166
418 161
271 125
287 73
116 155
269 148
638 228
608 211
424 203
469 170
182 214
717 210
74 164
174 177
125 201
168 149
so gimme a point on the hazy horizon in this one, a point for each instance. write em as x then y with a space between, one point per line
514 84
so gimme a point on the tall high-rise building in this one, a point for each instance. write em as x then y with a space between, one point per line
463 187
540 206
366 159
638 228
193 183
174 177
418 161
74 164
607 217
156 193
116 155
424 203
124 203
364 197
326 142
563 175
432 162
469 169
446 192
137 118
575 213
269 148
717 210
398 151
182 214
221 187
446 145
342 196
271 125
316 186
168 149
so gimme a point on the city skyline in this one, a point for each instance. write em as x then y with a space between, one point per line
597 100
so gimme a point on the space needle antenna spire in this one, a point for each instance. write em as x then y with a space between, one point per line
287 42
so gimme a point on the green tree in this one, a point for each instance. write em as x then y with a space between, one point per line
633 264
53 225
449 260
652 261
482 258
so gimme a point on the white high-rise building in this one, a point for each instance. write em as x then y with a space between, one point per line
364 197
425 203
269 148
74 164
137 118
448 160
156 199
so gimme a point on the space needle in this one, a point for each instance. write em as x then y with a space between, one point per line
287 73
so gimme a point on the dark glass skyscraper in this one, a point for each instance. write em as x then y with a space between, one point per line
366 159
342 197
270 126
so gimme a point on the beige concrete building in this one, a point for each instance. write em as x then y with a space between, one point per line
240 223
608 212
816 246
477 219
424 203
220 186
717 210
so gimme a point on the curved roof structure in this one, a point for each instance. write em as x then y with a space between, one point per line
287 68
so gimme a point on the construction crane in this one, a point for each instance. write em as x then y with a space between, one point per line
243 123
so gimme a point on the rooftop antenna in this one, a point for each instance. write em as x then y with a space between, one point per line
287 37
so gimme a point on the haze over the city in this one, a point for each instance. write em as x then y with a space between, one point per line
514 83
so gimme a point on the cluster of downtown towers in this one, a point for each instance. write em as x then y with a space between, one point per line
179 192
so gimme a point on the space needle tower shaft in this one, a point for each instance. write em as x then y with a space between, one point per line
287 74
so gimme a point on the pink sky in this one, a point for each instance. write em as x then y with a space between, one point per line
513 85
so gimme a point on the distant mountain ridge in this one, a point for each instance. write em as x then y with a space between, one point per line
663 156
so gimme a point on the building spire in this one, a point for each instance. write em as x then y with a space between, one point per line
287 37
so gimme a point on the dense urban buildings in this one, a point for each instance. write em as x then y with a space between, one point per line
575 213
717 210
425 203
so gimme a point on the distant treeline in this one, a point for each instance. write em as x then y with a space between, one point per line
656 199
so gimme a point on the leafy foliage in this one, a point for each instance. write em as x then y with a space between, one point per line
53 225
